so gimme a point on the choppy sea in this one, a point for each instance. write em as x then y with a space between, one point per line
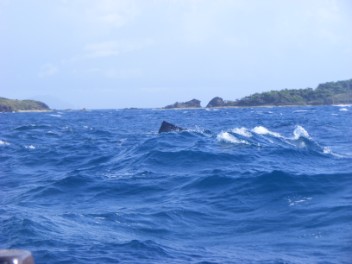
246 185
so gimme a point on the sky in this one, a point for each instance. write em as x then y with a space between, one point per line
103 54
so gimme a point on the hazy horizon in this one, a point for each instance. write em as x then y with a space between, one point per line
129 53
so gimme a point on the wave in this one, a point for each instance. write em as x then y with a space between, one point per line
261 136
242 131
32 127
4 143
260 130
300 132
106 187
228 138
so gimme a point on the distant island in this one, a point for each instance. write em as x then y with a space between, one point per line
325 94
14 105
329 93
194 103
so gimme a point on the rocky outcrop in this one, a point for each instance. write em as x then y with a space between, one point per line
194 103
216 102
10 105
219 102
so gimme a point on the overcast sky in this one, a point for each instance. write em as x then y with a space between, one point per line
150 53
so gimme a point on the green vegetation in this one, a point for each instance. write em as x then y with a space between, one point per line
325 94
10 105
194 103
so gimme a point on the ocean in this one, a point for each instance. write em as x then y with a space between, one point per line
239 185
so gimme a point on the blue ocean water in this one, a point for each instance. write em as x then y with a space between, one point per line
251 185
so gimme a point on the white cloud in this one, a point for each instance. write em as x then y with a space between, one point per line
97 17
114 73
48 70
102 49
114 48
116 14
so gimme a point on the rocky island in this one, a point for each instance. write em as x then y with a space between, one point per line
13 105
329 93
217 102
194 103
325 94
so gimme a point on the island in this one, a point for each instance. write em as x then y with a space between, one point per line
217 102
194 103
329 93
14 105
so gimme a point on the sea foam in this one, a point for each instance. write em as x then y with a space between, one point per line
228 138
260 130
300 132
242 131
4 143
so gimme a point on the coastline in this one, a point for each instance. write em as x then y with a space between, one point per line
254 106
31 111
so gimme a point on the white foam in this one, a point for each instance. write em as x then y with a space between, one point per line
295 201
300 132
260 130
344 109
327 150
242 131
228 138
199 130
4 143
121 141
300 111
30 147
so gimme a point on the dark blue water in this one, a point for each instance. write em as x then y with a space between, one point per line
263 185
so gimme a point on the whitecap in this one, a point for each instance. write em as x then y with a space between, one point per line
327 150
30 147
344 109
228 138
300 132
56 115
4 143
121 141
296 201
242 131
260 130
199 130
300 111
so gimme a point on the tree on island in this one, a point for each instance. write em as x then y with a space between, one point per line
13 105
325 94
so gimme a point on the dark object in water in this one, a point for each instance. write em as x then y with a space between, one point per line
15 256
168 127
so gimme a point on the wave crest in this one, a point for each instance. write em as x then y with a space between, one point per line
300 132
260 130
228 138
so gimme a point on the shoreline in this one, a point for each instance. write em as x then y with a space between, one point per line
31 111
256 106
181 109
